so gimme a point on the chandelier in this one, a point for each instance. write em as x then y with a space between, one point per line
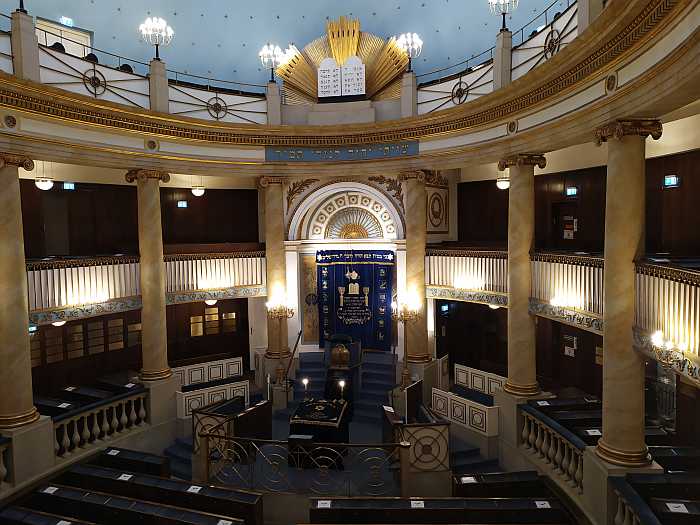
156 32
411 44
503 7
271 56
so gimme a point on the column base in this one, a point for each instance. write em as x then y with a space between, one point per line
162 401
419 359
155 375
19 420
623 458
530 390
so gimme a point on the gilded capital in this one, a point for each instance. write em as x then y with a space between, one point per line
523 159
264 182
10 159
418 175
623 128
141 174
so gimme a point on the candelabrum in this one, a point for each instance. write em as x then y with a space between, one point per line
280 311
502 8
404 314
157 33
666 352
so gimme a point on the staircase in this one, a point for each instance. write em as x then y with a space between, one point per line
310 366
466 459
180 455
377 378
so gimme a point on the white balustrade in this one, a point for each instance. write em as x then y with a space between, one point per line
219 105
96 426
209 371
469 414
550 448
456 90
475 379
185 273
6 64
59 284
468 270
546 43
568 281
668 300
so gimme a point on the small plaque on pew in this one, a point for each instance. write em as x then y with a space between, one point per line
64 522
323 504
543 403
594 432
125 477
388 409
543 505
678 508
50 490
69 388
468 479
64 405
224 522
113 452
417 504
129 385
194 489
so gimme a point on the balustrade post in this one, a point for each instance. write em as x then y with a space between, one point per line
158 87
25 47
409 95
273 97
503 59
587 12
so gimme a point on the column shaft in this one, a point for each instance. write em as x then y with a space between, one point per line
623 369
273 187
502 60
154 338
416 332
522 356
16 399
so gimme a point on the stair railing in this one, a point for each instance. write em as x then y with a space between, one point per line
291 359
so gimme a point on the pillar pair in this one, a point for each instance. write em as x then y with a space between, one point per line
622 442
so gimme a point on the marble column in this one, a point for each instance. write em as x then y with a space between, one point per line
622 442
417 331
154 339
273 190
522 355
16 399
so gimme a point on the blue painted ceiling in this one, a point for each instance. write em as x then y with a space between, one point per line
221 38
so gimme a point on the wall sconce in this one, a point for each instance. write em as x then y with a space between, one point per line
58 323
503 183
210 302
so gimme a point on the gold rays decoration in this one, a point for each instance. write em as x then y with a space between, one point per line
384 61
343 37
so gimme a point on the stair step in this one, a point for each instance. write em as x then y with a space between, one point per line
377 357
477 467
311 357
179 453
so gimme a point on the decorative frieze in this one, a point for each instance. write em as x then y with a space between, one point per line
144 174
576 260
297 188
418 175
523 159
393 186
675 360
624 128
584 320
21 161
469 296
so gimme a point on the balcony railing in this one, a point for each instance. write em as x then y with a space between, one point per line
631 509
190 272
551 445
92 426
568 281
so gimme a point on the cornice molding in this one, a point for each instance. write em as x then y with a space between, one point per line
21 161
81 263
523 159
680 275
498 107
575 260
417 175
624 128
142 174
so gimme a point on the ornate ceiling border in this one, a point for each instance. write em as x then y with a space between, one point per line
37 99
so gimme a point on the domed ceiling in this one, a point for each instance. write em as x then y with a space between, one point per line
221 38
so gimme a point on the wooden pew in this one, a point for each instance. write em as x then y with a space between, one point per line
84 395
49 406
132 461
677 459
677 511
244 505
680 485
437 510
108 509
526 484
22 516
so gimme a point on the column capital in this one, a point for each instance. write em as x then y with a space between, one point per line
629 127
523 159
22 161
264 182
143 174
418 175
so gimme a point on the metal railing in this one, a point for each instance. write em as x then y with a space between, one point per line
552 445
215 85
457 69
329 469
546 17
94 425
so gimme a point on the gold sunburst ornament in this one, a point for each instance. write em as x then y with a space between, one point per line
385 62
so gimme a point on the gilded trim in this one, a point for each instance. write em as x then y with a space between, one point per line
143 174
584 320
523 159
575 260
21 161
459 252
207 256
56 264
43 100
624 128
673 274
